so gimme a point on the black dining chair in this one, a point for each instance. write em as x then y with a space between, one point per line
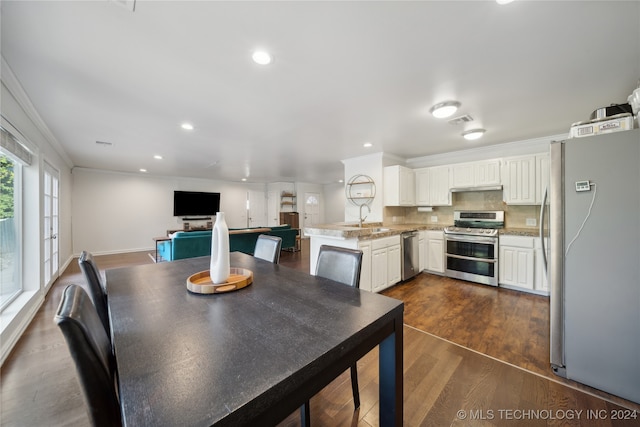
97 288
90 349
268 248
341 265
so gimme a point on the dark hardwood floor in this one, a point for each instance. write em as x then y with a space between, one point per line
473 355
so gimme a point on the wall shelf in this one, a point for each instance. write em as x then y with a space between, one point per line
287 199
360 190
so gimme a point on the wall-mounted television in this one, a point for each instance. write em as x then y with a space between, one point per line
195 203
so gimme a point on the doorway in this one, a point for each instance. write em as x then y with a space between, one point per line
257 215
50 221
311 209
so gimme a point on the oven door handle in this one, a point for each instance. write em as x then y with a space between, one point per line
471 239
469 258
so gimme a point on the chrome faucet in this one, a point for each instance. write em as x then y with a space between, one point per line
361 218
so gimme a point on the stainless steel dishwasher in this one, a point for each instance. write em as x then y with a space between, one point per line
410 254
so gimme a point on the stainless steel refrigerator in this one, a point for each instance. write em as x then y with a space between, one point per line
594 262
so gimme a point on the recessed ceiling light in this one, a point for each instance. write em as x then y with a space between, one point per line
367 145
142 170
444 109
503 1
473 134
243 179
261 57
157 157
186 126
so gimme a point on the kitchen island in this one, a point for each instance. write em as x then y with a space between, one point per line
380 245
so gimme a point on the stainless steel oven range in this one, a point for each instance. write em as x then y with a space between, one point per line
471 246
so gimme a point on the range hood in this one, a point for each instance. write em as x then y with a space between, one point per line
479 188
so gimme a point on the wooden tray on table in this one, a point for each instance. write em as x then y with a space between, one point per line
200 283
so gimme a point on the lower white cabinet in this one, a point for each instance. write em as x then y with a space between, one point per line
365 272
516 261
385 262
435 251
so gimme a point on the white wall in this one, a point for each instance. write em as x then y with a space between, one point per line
334 203
19 117
372 166
119 212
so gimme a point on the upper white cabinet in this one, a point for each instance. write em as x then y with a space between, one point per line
519 180
422 187
439 185
462 175
476 174
433 185
399 186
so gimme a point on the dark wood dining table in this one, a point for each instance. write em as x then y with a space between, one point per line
247 357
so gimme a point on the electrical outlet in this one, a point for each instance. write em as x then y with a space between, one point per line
531 222
434 218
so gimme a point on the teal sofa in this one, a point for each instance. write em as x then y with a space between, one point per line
287 234
189 244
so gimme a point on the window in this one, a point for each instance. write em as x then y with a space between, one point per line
10 241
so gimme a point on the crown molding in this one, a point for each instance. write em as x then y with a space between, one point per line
13 85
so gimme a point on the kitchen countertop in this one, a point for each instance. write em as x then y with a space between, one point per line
368 231
343 230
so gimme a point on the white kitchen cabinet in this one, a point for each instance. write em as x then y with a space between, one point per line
542 175
462 175
435 251
516 259
476 174
399 186
422 250
379 267
439 186
422 187
385 262
487 172
519 180
365 271
394 265
432 186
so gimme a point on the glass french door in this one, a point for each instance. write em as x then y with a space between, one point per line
50 220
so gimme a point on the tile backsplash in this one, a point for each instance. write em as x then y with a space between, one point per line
516 216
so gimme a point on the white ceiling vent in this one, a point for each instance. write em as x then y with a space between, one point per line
128 4
461 120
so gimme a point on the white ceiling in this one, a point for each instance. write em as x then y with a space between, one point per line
345 73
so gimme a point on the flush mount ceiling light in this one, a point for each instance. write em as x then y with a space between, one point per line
186 126
473 134
261 57
444 109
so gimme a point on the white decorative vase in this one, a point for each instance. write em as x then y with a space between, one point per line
219 269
